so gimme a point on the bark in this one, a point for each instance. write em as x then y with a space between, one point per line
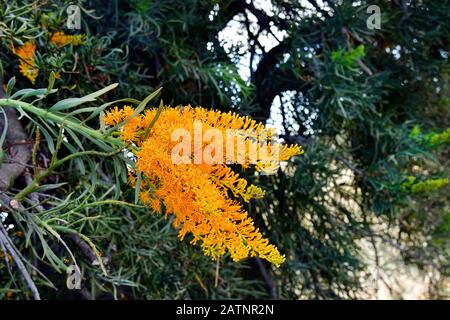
16 151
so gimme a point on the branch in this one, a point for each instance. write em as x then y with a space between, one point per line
84 247
267 279
269 80
350 166
263 19
6 242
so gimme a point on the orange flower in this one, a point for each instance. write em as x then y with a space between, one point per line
27 64
198 194
61 39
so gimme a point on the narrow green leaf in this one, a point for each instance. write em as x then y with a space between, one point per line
70 103
137 111
10 86
26 93
73 102
51 82
150 126
138 187
51 186
100 92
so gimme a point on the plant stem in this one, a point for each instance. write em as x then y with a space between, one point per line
44 174
60 119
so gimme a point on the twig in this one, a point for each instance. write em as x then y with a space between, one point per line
34 185
85 249
216 281
4 239
350 166
34 197
377 264
363 66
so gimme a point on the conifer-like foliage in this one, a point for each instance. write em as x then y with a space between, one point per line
80 178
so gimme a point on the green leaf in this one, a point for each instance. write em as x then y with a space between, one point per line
73 102
10 86
150 126
102 91
70 103
138 110
26 93
51 82
51 186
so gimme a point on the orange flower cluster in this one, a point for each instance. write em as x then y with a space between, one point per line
27 64
61 39
26 53
199 194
